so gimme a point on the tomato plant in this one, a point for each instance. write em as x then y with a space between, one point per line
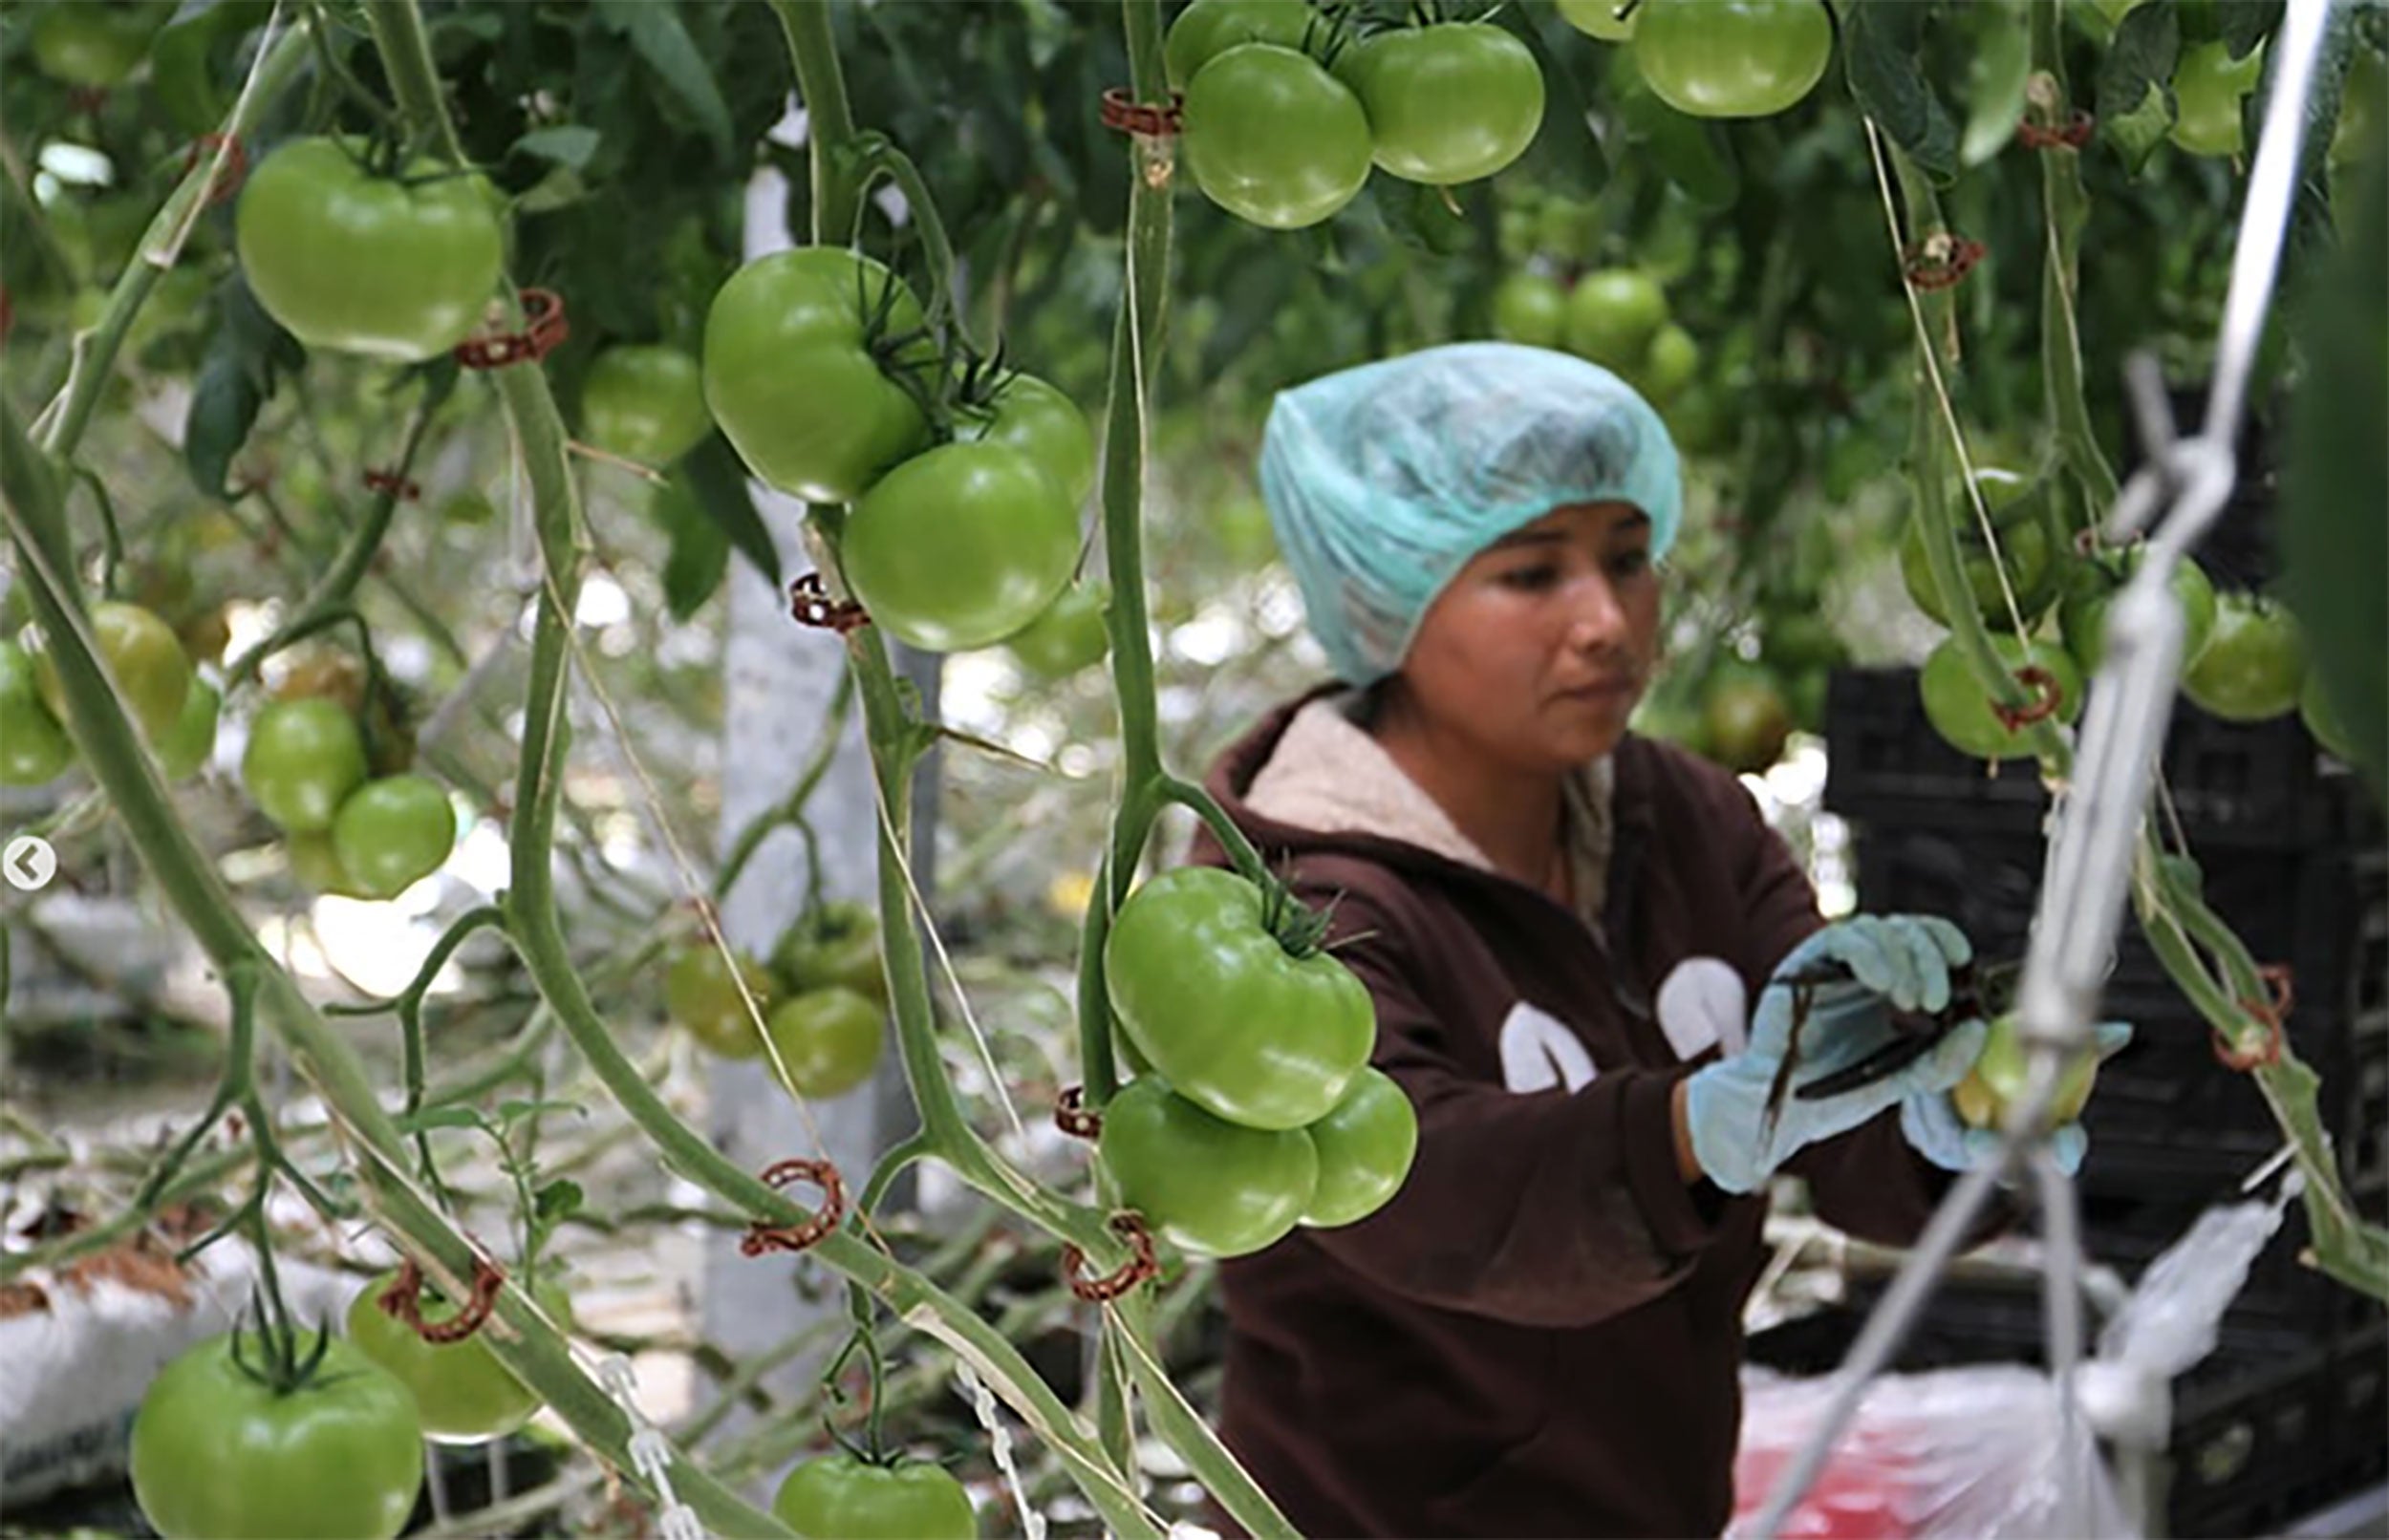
393 267
1961 713
1274 138
2000 1073
1732 58
142 655
700 993
2026 551
837 943
806 367
392 833
302 758
33 747
1237 1022
1447 103
825 1041
961 547
1071 635
845 1497
1045 426
462 1393
644 401
1365 1145
220 1454
2254 662
1211 1187
2090 584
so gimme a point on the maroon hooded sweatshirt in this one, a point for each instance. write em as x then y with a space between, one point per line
1540 1334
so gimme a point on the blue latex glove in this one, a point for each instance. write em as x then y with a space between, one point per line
1896 961
1934 1129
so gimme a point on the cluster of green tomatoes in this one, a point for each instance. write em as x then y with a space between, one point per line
1254 1107
822 1000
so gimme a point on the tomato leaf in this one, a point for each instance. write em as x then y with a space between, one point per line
556 1200
245 359
2334 544
1880 51
568 145
184 56
449 1117
2135 106
701 550
2247 23
720 482
664 42
2003 66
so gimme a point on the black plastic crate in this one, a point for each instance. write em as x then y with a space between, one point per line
2261 1439
2261 785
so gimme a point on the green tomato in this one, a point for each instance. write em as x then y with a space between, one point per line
1045 426
2023 548
1568 230
791 378
2323 720
700 993
645 402
462 1393
1236 1022
1613 315
1960 711
1530 308
182 752
961 547
1447 103
1071 635
841 1497
1600 18
1207 28
1745 718
142 655
1732 58
302 758
1673 361
837 944
217 1455
2255 664
1699 421
1210 1186
2001 1072
1365 1149
2089 585
315 865
1274 138
392 833
2209 85
94 43
33 748
825 1041
394 270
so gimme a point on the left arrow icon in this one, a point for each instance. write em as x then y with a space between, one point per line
28 863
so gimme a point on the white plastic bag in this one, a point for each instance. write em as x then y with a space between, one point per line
1982 1452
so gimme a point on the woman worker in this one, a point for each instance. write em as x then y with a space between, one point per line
1575 940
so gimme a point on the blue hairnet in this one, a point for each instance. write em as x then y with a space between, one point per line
1385 479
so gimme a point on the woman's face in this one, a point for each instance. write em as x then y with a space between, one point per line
1536 652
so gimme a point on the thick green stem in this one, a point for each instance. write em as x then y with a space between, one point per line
2064 209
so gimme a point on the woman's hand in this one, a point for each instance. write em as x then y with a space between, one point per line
1737 1118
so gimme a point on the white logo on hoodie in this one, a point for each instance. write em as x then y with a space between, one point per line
1702 1004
